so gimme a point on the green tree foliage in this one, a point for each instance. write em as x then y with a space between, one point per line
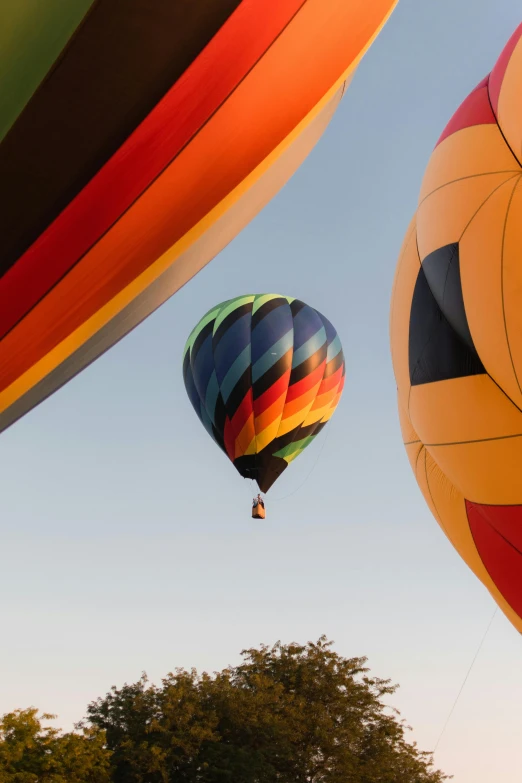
286 714
33 753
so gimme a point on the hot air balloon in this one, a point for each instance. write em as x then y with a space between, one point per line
264 374
137 137
456 332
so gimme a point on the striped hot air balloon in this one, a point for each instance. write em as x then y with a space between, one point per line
264 374
137 137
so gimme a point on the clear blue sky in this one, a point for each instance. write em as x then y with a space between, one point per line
126 542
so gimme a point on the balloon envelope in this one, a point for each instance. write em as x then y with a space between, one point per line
264 374
456 332
137 137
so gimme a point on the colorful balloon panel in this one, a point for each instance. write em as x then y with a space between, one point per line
264 374
137 137
456 332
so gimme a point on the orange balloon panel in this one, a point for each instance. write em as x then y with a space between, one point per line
456 332
164 130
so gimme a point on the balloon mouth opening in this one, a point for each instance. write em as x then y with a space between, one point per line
264 469
497 533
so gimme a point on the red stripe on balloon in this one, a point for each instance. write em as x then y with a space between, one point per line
483 83
242 415
204 86
497 532
330 381
307 383
271 395
475 110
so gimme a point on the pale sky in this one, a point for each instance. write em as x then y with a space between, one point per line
126 542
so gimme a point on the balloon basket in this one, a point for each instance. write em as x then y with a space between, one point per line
258 512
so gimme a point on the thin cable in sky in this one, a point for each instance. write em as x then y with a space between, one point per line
466 677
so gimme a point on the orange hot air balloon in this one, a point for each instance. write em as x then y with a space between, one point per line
137 137
456 332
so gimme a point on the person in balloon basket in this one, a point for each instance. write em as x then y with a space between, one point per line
258 507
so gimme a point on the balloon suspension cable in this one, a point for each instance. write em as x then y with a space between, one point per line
294 491
479 648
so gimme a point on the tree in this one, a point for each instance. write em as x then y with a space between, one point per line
287 714
33 753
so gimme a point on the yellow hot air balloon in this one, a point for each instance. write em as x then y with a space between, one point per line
137 137
456 332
